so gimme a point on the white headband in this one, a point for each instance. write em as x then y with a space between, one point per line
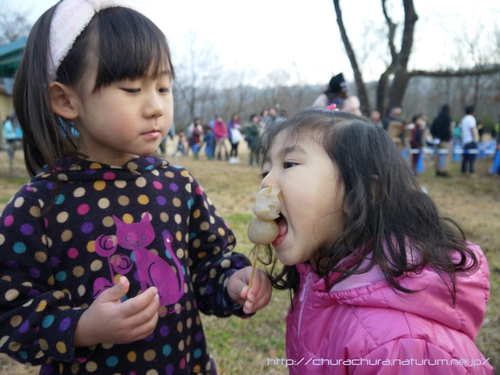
70 18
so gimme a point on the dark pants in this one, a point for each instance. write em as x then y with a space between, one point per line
234 149
468 158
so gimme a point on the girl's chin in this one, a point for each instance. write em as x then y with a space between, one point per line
284 257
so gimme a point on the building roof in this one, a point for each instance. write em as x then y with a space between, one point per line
10 56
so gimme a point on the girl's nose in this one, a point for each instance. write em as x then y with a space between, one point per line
154 106
268 181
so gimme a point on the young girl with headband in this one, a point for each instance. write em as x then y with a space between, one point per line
382 283
108 254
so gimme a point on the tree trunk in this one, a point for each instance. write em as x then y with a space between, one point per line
382 92
360 85
401 75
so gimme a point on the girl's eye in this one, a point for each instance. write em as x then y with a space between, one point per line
132 91
164 90
288 164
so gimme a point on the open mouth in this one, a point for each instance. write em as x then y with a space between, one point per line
283 226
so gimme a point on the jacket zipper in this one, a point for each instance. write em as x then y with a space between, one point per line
303 298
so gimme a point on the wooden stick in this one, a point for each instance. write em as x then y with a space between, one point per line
253 267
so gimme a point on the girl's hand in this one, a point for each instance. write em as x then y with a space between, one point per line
110 320
254 299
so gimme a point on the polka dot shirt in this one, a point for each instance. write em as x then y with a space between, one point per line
63 243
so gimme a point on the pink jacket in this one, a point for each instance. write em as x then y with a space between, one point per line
220 130
361 326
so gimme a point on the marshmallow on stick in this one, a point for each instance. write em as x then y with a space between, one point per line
263 230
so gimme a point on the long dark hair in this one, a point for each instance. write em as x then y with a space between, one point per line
120 42
389 219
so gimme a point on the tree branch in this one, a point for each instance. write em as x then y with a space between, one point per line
360 85
392 32
477 71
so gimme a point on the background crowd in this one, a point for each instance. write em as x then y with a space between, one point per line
219 139
438 139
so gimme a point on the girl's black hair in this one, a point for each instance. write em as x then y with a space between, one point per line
389 219
120 42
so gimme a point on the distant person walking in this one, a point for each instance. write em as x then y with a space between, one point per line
469 140
441 132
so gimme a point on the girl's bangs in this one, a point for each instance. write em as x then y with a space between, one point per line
129 46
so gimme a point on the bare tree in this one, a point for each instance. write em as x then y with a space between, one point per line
14 24
393 91
198 71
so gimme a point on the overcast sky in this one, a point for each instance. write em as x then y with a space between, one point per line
302 35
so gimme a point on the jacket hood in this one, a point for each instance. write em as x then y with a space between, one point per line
72 170
432 298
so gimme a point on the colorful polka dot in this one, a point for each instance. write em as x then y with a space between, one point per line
60 199
8 220
19 247
27 229
72 253
166 350
47 321
109 176
83 209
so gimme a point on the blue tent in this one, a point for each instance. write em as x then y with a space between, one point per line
10 56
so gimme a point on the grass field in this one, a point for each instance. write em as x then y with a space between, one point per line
244 346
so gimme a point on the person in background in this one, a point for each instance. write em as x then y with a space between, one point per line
480 130
395 126
378 275
417 136
220 131
337 94
10 136
163 144
441 131
470 138
495 132
194 131
375 117
457 134
234 135
209 142
181 144
394 115
252 136
272 118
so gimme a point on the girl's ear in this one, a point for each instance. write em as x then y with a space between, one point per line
63 100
